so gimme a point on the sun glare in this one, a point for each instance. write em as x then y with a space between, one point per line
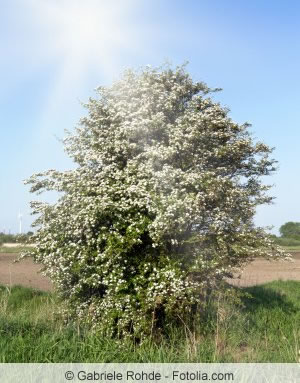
82 38
91 32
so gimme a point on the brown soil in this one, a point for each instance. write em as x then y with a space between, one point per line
25 273
262 271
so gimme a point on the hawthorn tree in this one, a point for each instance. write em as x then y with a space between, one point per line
159 208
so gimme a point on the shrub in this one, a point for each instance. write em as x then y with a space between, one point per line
7 238
283 241
159 208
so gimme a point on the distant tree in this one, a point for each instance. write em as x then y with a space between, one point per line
159 209
290 230
25 237
7 238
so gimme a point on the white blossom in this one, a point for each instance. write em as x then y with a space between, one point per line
166 187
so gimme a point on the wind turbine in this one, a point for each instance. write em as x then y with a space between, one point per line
20 216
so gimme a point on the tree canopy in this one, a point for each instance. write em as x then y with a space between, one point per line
159 208
290 230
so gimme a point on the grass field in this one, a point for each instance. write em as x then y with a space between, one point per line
291 248
266 329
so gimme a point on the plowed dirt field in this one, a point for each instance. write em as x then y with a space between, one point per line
25 273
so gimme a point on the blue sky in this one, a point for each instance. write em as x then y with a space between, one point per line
55 52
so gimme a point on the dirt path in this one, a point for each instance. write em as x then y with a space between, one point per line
260 271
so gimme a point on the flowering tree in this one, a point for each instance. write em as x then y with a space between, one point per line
159 208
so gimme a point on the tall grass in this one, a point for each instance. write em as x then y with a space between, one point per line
265 329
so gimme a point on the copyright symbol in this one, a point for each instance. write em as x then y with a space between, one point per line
69 375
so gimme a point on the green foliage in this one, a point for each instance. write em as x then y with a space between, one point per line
7 238
266 329
15 238
290 230
159 209
286 241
